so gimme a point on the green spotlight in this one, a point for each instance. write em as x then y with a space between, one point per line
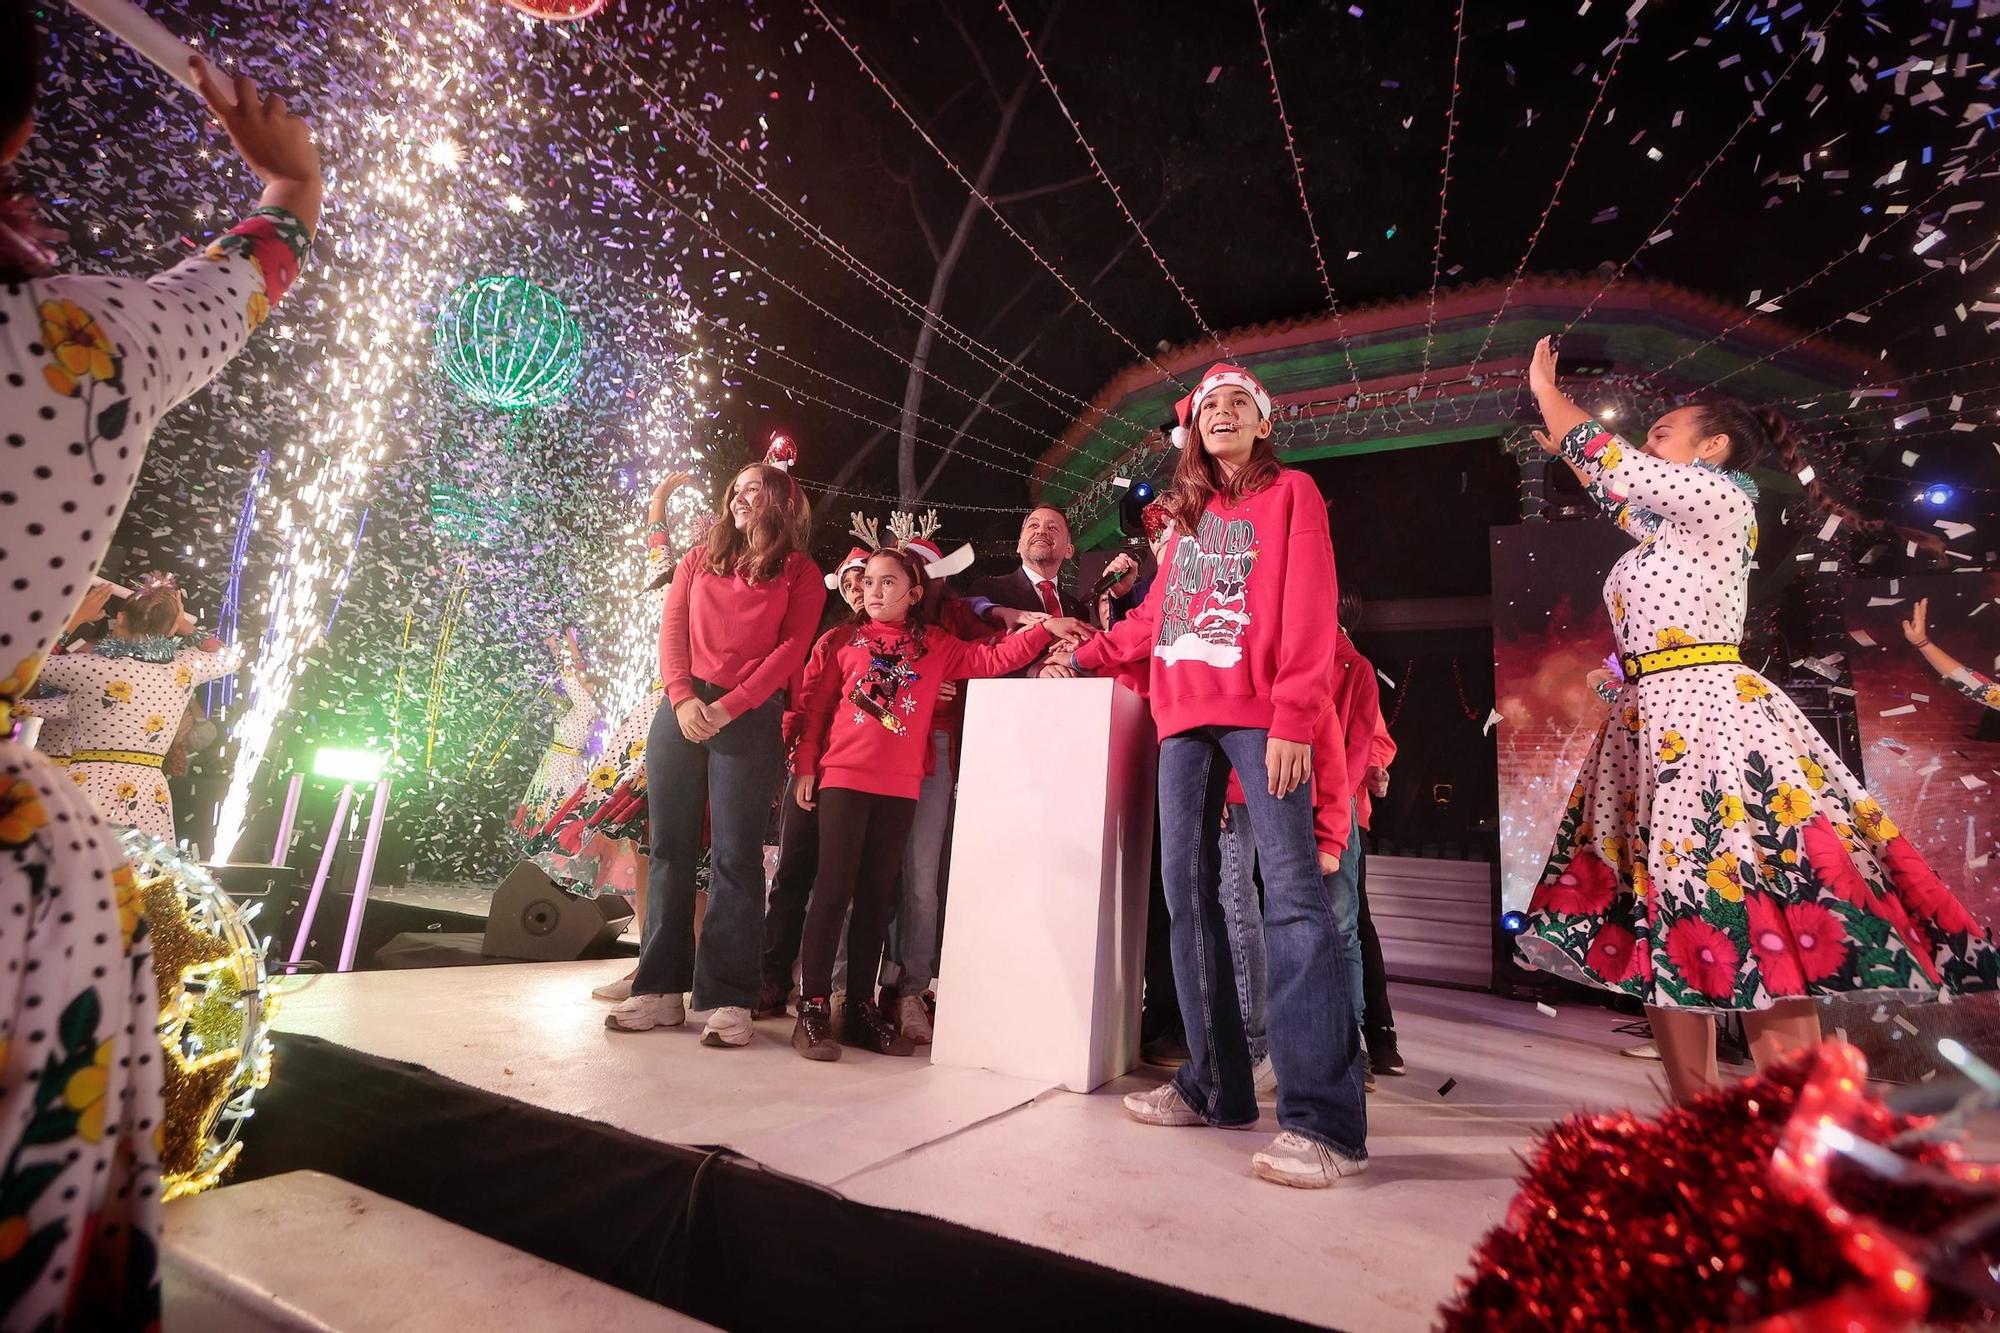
356 766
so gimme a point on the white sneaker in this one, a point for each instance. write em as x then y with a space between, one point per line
1295 1160
1160 1106
643 1013
728 1025
1645 1050
620 989
1265 1076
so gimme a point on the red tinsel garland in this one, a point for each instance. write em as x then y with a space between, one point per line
1729 1213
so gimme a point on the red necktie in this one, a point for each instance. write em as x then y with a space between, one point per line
1050 603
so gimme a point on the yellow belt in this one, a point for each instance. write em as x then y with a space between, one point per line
116 757
569 750
59 760
1672 659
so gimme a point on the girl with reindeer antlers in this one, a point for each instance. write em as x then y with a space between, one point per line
865 742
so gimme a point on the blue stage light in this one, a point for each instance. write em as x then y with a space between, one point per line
1937 495
1144 490
1513 922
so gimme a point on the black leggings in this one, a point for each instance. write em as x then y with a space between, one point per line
1378 1024
861 842
791 889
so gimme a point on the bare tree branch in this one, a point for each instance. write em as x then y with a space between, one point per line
923 223
978 58
1040 190
847 469
958 437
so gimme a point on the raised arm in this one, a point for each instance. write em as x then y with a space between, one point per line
1959 676
1700 499
205 664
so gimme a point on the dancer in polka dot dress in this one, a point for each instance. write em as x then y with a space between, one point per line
1716 855
562 767
127 694
88 365
596 840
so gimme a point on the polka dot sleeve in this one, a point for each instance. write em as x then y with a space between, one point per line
1702 499
1974 687
172 333
203 665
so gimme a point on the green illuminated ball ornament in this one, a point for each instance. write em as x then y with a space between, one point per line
509 343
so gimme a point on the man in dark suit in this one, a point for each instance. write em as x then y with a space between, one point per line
1031 588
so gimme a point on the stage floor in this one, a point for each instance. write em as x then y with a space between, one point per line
1052 1169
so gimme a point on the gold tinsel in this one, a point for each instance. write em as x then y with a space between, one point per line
203 980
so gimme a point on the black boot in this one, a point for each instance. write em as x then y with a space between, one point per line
1383 1054
812 1035
867 1028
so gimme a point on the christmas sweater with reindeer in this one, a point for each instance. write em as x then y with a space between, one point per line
1240 624
871 691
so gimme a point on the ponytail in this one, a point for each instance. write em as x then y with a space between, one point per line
1755 431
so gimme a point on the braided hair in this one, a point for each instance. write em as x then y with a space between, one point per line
1755 431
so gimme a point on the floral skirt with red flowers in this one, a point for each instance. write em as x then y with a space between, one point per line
81 1067
595 842
1716 854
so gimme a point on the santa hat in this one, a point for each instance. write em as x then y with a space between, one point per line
936 563
856 559
1221 375
781 453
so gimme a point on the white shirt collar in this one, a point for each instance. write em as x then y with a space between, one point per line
1036 580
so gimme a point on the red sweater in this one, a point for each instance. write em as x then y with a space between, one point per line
1240 622
884 749
1339 771
745 637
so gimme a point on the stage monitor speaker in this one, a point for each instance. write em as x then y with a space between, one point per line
534 919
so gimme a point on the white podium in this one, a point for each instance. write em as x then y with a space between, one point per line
1045 933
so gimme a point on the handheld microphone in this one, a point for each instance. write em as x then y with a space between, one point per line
1110 576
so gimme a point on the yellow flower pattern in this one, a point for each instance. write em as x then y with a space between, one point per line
79 351
1672 747
1730 811
117 692
17 680
1873 823
131 902
84 1094
21 813
1673 636
1750 689
1725 877
1790 805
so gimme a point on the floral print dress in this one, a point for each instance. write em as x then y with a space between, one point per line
123 712
562 766
87 367
1715 853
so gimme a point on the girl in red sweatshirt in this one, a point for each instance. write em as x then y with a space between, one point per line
1238 633
739 618
871 690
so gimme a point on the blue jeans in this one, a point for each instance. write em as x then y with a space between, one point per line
913 935
1237 892
1314 1037
734 775
1343 889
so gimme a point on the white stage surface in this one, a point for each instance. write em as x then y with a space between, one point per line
1052 1169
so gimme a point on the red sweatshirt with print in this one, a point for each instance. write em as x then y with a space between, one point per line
1239 626
745 637
1340 750
871 693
